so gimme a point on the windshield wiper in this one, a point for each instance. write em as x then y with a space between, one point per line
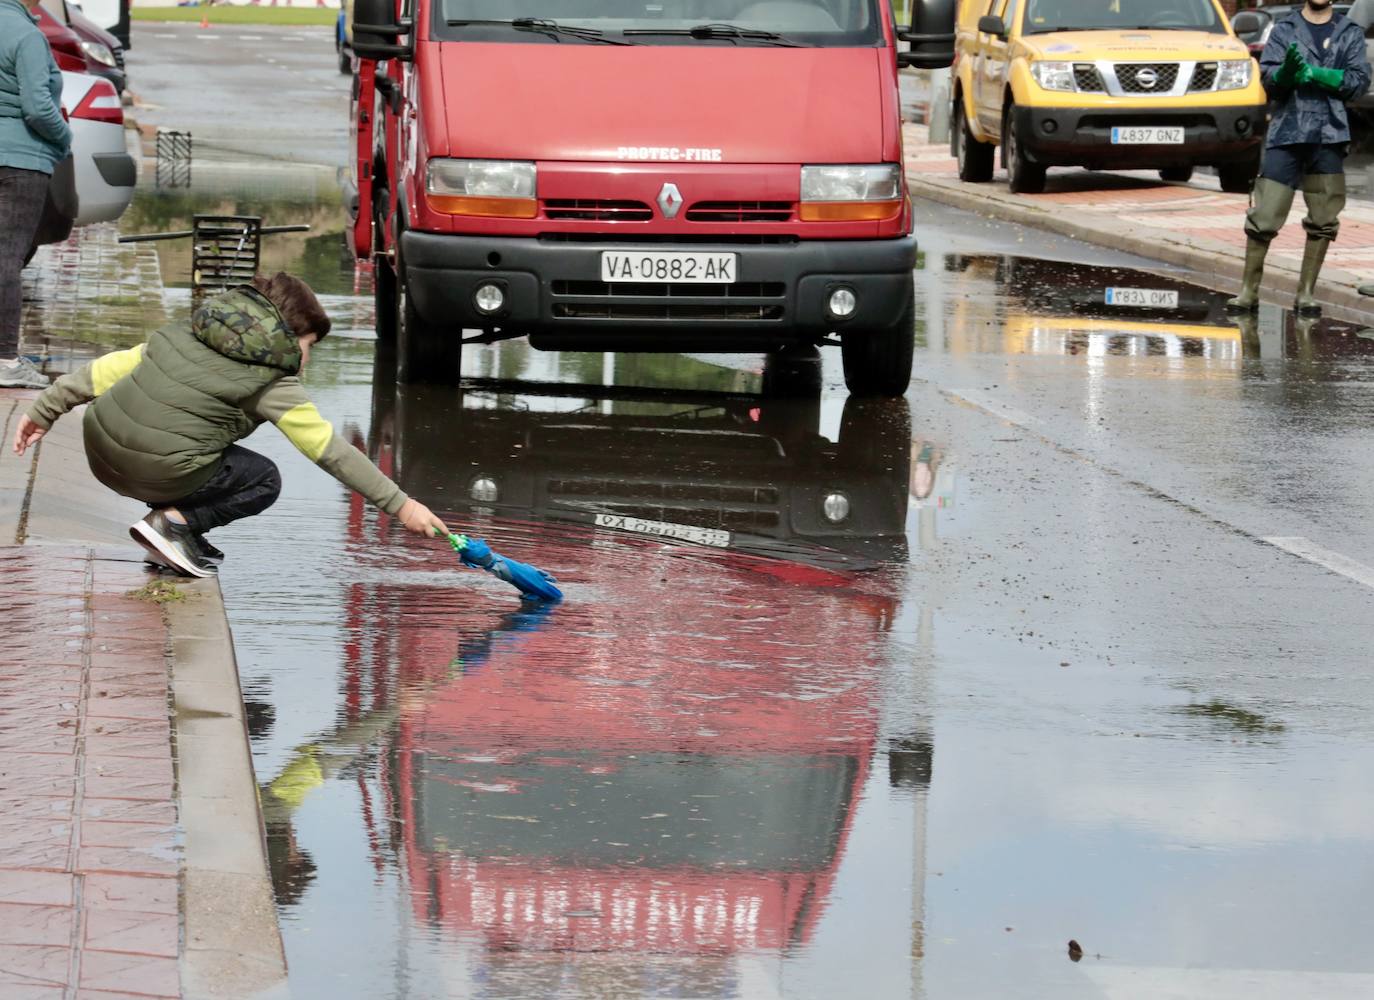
729 32
544 26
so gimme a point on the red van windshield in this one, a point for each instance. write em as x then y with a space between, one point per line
831 23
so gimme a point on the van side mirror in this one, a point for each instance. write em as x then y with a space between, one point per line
991 24
377 31
930 33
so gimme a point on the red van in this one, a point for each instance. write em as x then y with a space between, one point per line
715 175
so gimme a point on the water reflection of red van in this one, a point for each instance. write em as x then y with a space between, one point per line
669 764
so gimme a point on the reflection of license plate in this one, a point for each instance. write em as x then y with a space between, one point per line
1147 136
1142 298
665 529
669 268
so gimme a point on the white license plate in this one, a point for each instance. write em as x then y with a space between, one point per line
670 268
1147 136
1142 298
713 537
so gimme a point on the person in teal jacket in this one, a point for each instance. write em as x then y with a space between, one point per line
34 138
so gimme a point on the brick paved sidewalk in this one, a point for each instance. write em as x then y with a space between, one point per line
89 844
1194 224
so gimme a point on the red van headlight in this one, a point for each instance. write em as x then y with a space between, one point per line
851 193
494 188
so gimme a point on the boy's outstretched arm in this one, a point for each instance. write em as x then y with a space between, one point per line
70 391
286 405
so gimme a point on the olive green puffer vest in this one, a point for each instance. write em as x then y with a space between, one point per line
158 433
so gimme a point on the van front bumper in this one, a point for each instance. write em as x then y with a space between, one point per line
554 294
1063 137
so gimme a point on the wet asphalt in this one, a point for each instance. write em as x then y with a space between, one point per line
1087 659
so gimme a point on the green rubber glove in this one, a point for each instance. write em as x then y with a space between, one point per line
1293 65
1327 79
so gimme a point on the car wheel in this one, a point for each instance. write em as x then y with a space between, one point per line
879 362
975 158
425 352
1023 176
1238 178
1178 175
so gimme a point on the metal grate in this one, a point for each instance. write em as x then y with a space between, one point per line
740 211
1147 78
1204 77
1087 79
597 210
225 250
173 158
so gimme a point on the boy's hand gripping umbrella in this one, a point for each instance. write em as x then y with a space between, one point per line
531 582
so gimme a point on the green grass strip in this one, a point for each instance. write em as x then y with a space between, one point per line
226 14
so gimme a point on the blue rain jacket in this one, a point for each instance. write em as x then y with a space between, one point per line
33 134
1310 114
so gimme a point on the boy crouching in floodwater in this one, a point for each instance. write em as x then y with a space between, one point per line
166 416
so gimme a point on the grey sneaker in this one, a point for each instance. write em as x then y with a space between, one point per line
170 544
21 374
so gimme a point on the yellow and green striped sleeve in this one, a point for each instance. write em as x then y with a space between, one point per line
285 404
83 385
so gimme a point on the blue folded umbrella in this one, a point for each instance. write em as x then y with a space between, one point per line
531 582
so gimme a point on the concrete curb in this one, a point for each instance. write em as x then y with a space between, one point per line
1223 264
232 945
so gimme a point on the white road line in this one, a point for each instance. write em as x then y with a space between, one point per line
172 37
1334 561
984 401
250 38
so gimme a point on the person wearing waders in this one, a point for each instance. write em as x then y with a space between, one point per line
165 417
1313 63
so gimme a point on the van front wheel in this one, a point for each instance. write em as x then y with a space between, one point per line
878 362
975 158
1023 176
425 352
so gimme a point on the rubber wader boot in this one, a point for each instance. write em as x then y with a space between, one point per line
1325 197
1248 299
1312 259
1269 205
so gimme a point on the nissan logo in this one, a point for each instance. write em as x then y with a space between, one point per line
1147 78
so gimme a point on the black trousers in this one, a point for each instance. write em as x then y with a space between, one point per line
22 193
244 484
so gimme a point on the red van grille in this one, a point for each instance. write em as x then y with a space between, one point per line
740 211
597 210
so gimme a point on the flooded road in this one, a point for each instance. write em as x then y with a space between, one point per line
846 699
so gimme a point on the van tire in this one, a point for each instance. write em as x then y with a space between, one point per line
976 159
879 362
1176 175
1238 178
1023 176
425 352
384 300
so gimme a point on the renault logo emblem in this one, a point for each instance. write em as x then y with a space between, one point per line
669 201
1147 78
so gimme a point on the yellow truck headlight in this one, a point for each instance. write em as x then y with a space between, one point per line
859 193
500 188
1054 75
1234 74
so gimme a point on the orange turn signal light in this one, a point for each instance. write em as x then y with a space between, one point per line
500 208
849 211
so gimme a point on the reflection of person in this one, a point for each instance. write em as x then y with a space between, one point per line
33 139
167 415
1313 63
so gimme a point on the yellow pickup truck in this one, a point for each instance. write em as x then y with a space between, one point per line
1104 84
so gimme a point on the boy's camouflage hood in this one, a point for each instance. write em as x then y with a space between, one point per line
244 326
